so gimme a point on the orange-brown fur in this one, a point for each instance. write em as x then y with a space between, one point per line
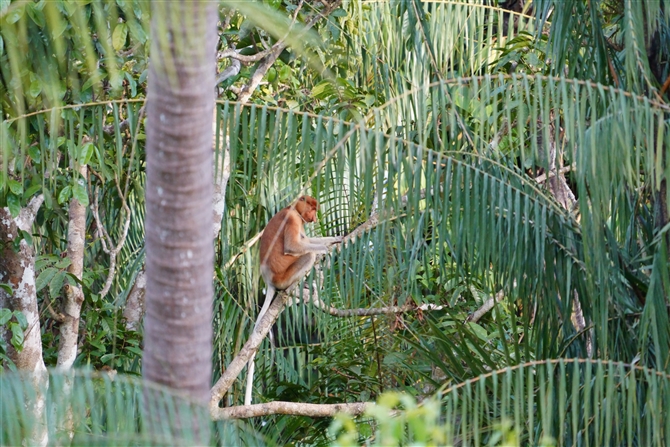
284 243
286 255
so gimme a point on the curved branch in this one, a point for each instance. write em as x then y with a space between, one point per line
487 306
251 346
232 70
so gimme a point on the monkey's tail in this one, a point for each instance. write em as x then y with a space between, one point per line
252 364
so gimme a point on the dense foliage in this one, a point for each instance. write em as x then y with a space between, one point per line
491 155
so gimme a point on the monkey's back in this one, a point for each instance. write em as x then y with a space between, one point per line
272 243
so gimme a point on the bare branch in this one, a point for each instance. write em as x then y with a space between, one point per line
57 316
232 70
248 350
291 408
250 243
367 312
487 306
106 241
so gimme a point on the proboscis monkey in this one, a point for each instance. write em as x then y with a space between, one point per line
286 255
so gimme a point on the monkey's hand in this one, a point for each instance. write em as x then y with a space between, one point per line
333 240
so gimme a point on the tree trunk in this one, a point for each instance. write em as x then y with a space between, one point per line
74 296
17 268
179 247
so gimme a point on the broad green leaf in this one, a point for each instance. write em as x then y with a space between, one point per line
5 314
17 336
479 331
21 318
137 32
323 90
14 204
79 192
35 154
46 260
32 190
284 73
119 36
45 278
85 153
64 195
93 79
15 187
15 15
57 27
27 237
56 284
35 88
36 14
63 263
107 357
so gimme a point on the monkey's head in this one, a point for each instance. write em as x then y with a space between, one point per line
307 207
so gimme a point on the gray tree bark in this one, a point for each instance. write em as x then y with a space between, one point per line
179 248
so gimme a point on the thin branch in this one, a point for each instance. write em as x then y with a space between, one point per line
544 177
250 243
291 408
232 70
57 316
487 306
367 312
106 241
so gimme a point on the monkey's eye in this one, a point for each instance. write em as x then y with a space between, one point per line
302 199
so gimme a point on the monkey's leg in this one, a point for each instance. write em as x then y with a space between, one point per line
295 271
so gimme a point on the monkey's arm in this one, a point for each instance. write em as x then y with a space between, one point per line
303 246
295 241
